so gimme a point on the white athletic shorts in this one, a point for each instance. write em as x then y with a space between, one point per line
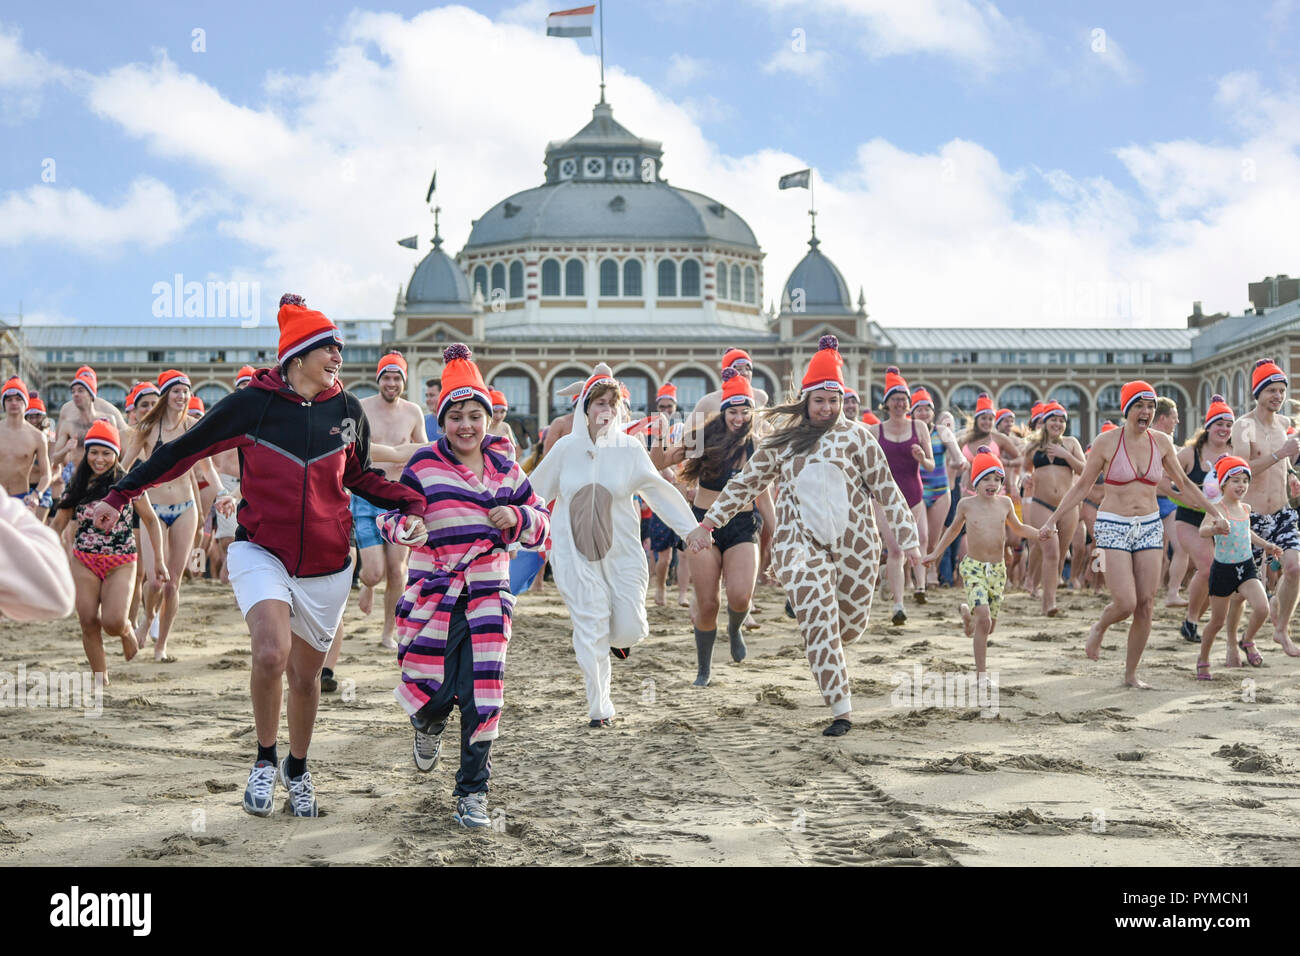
315 604
226 527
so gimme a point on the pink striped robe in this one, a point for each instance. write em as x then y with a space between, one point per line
464 551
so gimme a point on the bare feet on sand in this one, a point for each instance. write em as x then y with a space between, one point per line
130 647
387 643
1132 680
1176 601
964 608
1093 647
366 601
660 598
1281 637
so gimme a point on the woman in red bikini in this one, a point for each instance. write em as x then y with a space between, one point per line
105 561
906 444
1128 527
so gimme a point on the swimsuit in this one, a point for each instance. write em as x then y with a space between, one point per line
168 514
1233 564
1279 528
1122 533
905 469
363 522
743 528
985 582
934 484
1153 473
103 551
1186 513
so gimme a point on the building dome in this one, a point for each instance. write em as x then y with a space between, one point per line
438 285
823 289
604 183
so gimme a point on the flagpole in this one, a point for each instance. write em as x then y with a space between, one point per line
601 5
812 200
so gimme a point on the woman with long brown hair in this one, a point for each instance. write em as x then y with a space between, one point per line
173 501
1055 458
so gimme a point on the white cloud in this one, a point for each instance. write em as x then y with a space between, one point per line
972 32
1105 51
23 74
684 70
809 64
149 216
321 178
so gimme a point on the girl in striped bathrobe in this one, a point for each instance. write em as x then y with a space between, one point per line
453 620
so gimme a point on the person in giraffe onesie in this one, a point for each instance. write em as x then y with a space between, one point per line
826 549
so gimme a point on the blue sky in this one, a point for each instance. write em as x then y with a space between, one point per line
977 162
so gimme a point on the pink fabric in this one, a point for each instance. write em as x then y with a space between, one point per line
35 583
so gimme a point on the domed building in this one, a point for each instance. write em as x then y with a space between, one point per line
607 260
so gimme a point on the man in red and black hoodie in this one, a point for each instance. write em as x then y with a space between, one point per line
302 441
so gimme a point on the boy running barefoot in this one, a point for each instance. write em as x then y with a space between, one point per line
1233 569
986 516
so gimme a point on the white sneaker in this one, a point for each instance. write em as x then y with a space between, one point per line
259 795
302 793
426 750
471 811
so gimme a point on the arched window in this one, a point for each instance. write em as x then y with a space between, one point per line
550 277
1179 397
518 390
751 288
963 400
211 394
690 278
1239 393
1108 403
735 283
691 387
760 380
639 390
360 390
54 397
481 281
1070 398
632 278
113 394
498 279
722 281
1223 388
1018 398
573 273
667 278
516 280
877 396
609 277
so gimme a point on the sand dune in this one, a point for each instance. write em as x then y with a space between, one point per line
1072 769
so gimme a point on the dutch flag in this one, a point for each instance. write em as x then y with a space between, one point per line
570 23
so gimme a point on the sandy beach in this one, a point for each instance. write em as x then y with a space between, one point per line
1073 768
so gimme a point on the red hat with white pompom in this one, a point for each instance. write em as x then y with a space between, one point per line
1218 411
986 463
736 389
461 380
302 329
1266 373
825 369
983 403
920 397
893 383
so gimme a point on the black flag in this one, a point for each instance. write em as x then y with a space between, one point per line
411 242
795 180
433 184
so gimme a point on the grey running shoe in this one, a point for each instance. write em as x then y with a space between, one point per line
259 795
426 750
302 793
471 811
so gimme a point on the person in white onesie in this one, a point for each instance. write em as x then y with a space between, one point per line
592 474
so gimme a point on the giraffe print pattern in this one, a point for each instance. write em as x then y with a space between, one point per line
825 547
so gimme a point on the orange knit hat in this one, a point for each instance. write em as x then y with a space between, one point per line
870 418
983 404
921 397
171 377
1108 427
1265 374
140 388
985 463
498 399
732 356
893 383
35 404
244 375
1218 409
667 390
302 329
1035 413
196 406
1228 465
103 432
825 367
86 376
15 386
1134 392
1053 408
461 380
736 389
1004 413
392 362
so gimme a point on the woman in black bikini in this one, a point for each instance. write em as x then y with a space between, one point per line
726 444
1210 444
173 502
1056 459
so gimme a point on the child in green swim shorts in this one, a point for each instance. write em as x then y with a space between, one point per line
986 516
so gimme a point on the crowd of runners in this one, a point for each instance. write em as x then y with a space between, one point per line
295 493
